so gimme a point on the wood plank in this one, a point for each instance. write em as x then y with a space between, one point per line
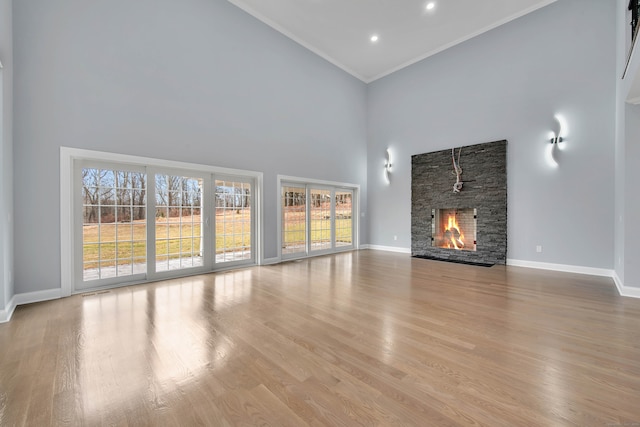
358 338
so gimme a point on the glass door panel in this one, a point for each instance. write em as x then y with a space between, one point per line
320 219
178 222
316 219
294 220
233 221
114 223
344 218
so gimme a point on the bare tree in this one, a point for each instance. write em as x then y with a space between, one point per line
110 195
93 181
122 188
174 184
138 184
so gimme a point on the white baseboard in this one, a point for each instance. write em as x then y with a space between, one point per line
5 315
625 291
38 296
561 267
618 282
628 291
270 261
387 248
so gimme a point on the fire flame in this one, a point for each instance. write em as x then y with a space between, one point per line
453 236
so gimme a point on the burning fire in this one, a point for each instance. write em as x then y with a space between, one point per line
453 237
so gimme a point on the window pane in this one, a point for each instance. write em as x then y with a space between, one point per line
124 231
294 220
178 221
320 212
233 220
111 223
344 220
124 252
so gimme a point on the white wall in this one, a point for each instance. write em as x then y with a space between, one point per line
192 80
627 173
201 81
621 59
631 197
508 84
6 157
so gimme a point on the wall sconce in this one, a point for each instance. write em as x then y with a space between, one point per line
556 139
387 165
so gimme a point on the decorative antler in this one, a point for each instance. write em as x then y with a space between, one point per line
457 170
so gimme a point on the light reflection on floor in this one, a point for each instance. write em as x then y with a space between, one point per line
166 337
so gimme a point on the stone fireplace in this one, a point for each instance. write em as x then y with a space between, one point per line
468 226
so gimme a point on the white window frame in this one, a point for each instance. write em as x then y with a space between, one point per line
332 215
77 207
207 264
284 180
223 177
69 214
297 254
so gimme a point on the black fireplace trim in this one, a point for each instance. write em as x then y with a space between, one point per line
457 261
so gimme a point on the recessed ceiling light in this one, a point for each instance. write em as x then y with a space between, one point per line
374 38
431 5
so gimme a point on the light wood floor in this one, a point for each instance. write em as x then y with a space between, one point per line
362 338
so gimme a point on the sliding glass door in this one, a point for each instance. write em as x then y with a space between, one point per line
294 220
320 219
234 220
113 243
315 219
141 223
178 221
344 218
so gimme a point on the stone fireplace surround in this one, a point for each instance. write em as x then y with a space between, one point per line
484 175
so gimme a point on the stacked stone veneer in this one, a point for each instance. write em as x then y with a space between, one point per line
484 168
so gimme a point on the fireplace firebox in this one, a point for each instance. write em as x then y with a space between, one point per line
454 228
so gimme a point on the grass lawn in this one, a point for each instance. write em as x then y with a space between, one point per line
113 244
295 229
118 243
320 232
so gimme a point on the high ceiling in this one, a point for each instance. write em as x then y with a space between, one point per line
407 31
